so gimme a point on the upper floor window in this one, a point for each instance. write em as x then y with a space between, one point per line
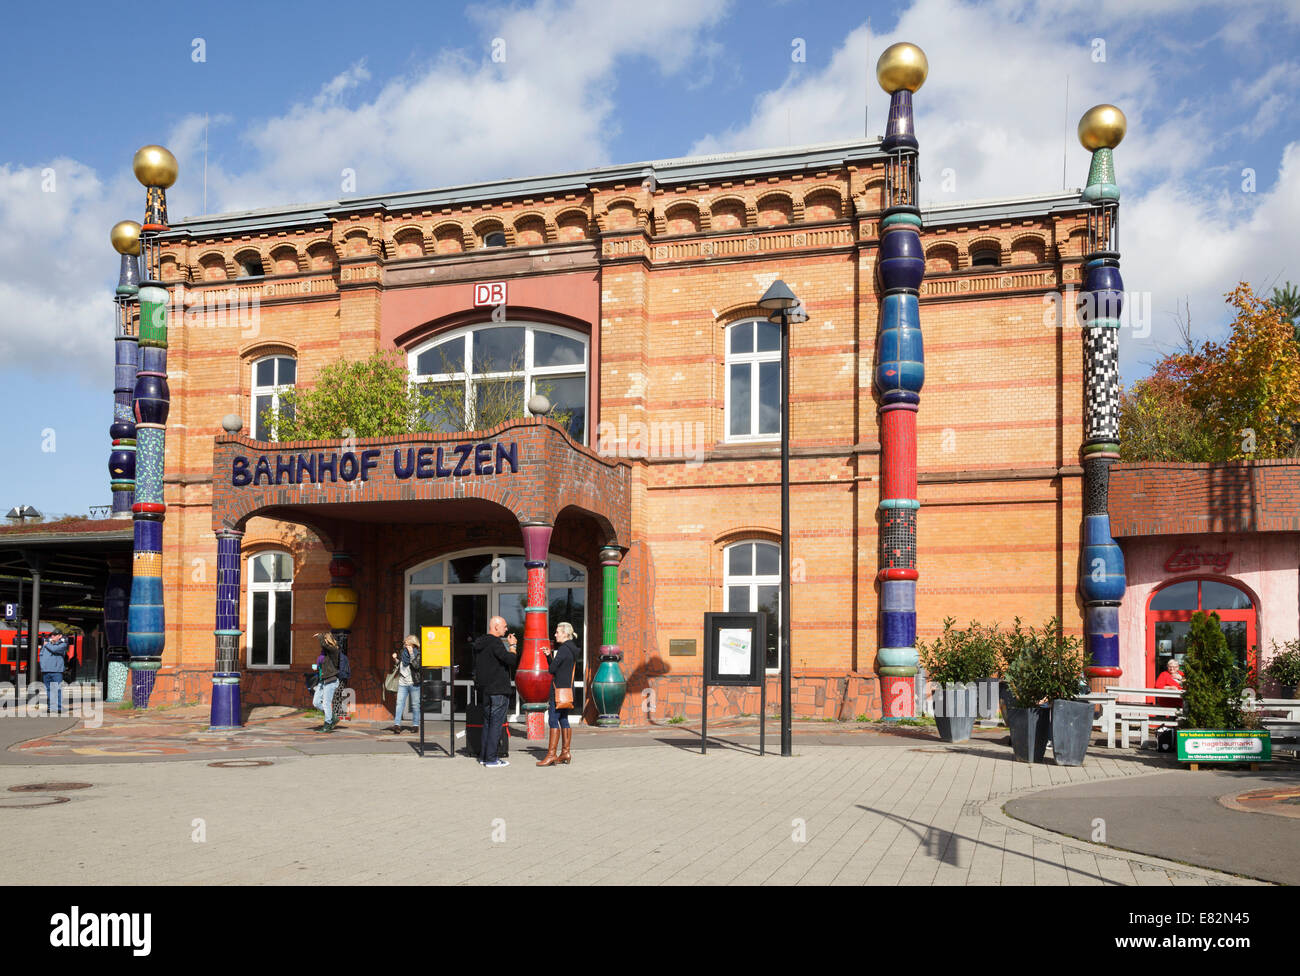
495 238
752 583
271 376
985 257
753 380
484 375
270 610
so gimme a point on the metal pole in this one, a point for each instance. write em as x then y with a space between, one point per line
34 625
786 718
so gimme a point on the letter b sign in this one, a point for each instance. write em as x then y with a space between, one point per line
489 293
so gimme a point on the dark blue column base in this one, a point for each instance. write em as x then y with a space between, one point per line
226 707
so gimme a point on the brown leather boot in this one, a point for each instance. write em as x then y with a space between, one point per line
568 737
550 759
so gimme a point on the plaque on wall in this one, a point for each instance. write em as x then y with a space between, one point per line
681 648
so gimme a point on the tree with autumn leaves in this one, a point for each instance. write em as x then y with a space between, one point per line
1227 401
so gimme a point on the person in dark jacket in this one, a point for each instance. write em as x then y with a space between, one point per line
408 682
327 665
54 659
563 658
493 662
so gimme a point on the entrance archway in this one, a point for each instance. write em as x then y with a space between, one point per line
463 589
1169 615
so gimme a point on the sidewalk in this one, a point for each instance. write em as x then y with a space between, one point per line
640 806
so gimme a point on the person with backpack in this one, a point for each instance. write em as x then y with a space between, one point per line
327 668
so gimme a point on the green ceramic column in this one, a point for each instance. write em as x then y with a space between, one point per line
609 687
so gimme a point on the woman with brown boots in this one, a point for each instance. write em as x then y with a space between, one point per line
563 658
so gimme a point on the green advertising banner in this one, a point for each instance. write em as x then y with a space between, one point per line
1224 745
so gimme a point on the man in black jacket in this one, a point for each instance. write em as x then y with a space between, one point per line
493 662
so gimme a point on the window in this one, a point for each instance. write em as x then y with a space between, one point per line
985 257
752 583
484 375
271 376
753 381
494 239
270 610
1169 616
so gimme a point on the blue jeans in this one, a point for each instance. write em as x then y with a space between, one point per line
53 692
405 692
494 714
556 719
324 698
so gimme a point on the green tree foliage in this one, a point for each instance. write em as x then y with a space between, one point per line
368 398
1288 301
1212 680
1156 423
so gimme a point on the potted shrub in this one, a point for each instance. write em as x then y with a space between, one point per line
1025 681
953 662
1283 668
1009 645
1064 679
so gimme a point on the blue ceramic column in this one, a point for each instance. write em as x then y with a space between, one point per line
121 463
1101 573
900 373
225 676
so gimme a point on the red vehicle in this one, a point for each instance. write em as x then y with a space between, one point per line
14 656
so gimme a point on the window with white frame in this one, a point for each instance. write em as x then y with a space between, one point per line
753 381
270 610
482 375
752 584
272 375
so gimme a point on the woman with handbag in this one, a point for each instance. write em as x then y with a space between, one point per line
564 656
406 670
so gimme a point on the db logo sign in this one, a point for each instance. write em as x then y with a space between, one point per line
489 293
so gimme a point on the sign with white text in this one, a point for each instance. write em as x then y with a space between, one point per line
489 293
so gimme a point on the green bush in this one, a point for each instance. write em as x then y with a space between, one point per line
1212 679
960 655
1283 668
1043 665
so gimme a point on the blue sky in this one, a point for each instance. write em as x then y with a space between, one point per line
408 96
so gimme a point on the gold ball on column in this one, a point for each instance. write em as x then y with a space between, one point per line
154 166
1102 127
125 236
902 65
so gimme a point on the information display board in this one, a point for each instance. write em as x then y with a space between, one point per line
735 655
1224 746
435 647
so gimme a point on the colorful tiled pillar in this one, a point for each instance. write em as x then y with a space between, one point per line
121 462
608 686
533 677
341 607
226 705
900 373
117 592
155 168
1101 571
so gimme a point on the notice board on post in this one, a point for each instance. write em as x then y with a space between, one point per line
435 647
735 655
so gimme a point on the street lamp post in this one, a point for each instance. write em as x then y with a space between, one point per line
785 308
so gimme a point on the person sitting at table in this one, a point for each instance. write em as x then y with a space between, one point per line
1171 677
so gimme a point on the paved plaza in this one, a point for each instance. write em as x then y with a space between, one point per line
636 806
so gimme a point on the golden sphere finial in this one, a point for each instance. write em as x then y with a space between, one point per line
1102 127
125 236
902 65
154 166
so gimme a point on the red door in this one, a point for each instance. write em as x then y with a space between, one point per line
1169 615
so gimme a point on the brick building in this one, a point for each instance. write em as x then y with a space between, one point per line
630 298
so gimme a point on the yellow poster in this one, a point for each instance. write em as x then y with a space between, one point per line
435 647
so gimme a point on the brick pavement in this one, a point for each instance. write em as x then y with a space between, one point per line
657 813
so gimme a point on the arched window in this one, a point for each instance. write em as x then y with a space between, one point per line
271 376
753 381
1169 615
270 610
483 375
985 257
752 583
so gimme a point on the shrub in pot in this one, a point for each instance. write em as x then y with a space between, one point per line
1212 679
954 661
1028 718
1064 679
1283 668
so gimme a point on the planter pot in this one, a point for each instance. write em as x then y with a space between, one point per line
1288 691
1030 728
956 728
1071 730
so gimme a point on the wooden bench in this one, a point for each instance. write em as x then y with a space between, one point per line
1139 716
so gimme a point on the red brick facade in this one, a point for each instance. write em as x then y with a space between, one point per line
653 275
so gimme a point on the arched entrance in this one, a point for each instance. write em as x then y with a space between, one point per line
463 589
1169 615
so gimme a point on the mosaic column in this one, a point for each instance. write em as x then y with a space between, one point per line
117 590
609 687
155 168
900 372
1101 573
533 679
226 705
121 462
341 609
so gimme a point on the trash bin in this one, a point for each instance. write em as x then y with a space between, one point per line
474 732
433 692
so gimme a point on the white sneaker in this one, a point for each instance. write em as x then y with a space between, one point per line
496 765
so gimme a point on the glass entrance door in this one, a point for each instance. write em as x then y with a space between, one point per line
467 615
